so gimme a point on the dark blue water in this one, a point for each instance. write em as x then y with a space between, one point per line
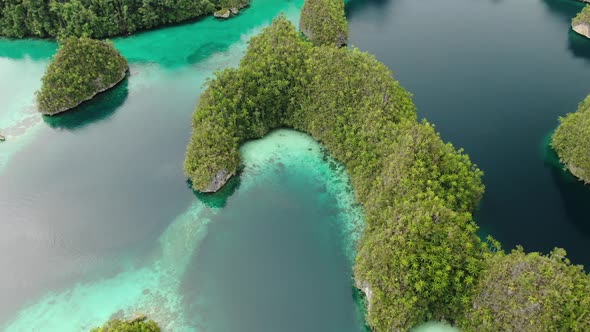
494 76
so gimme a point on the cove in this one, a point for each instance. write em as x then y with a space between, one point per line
273 253
494 76
94 204
87 197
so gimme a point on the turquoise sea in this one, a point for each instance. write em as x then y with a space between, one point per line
98 221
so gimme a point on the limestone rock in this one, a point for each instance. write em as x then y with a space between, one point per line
366 289
218 181
222 13
582 28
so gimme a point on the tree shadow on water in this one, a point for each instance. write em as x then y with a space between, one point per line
99 108
574 194
353 7
564 9
206 51
579 46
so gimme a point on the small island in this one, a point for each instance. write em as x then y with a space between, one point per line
571 141
137 324
81 69
581 23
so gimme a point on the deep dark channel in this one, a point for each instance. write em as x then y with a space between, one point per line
494 76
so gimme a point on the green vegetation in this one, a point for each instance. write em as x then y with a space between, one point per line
520 292
571 141
419 257
403 174
98 18
140 324
583 17
81 68
324 23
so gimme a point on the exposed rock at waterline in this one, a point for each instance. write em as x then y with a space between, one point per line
582 28
218 181
222 13
231 10
366 289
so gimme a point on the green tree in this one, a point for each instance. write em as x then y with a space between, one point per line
324 22
98 18
140 324
530 292
81 68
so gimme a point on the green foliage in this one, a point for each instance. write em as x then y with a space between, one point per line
583 17
530 292
98 18
135 325
245 103
416 190
571 141
81 68
421 262
324 22
419 257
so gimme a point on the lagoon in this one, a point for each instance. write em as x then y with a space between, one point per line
96 218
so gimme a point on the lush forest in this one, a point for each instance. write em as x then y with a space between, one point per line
571 141
530 292
81 68
324 23
140 324
98 18
419 257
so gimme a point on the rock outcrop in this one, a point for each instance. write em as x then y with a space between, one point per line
222 13
218 181
232 9
582 28
581 23
366 289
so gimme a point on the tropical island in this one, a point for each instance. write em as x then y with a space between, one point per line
420 257
581 23
571 141
100 18
81 69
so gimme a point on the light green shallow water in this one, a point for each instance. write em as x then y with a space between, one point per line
435 327
199 49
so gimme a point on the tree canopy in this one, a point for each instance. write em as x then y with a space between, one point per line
419 257
98 18
324 23
140 324
571 141
408 180
583 16
81 68
530 292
